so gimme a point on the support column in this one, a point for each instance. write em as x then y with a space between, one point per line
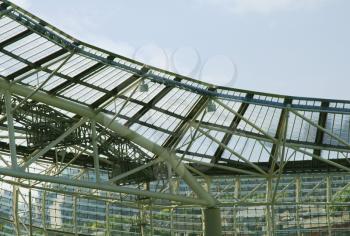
75 221
15 209
142 220
212 222
329 199
11 130
43 212
172 222
108 229
30 213
297 201
95 149
170 179
269 209
211 215
151 216
235 208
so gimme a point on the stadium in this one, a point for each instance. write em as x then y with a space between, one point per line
94 143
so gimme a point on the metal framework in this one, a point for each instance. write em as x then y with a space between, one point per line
84 128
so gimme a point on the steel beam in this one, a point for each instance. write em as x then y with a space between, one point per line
332 163
118 89
329 199
15 210
15 38
149 105
322 120
36 64
58 37
269 208
279 133
84 74
40 86
105 187
75 215
43 212
233 126
237 195
326 131
179 132
212 222
118 128
256 167
133 171
260 137
246 120
141 103
11 130
38 153
108 223
30 212
95 151
297 202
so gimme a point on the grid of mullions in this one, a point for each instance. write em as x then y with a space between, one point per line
306 215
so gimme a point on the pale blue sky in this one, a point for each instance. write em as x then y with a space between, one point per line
294 47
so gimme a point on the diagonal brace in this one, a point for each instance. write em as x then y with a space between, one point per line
119 129
38 153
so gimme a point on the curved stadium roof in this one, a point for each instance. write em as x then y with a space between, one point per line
245 129
93 143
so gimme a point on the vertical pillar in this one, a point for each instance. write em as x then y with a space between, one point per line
203 220
43 212
75 222
95 150
175 190
212 217
151 215
170 178
15 209
30 213
235 210
172 233
108 230
142 220
269 208
172 191
147 185
11 129
212 222
329 199
297 201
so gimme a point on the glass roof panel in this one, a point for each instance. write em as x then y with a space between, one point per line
82 94
9 28
32 48
108 78
339 125
160 120
123 107
178 101
75 65
9 65
39 78
221 116
301 130
154 135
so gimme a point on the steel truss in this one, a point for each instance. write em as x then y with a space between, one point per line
56 141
